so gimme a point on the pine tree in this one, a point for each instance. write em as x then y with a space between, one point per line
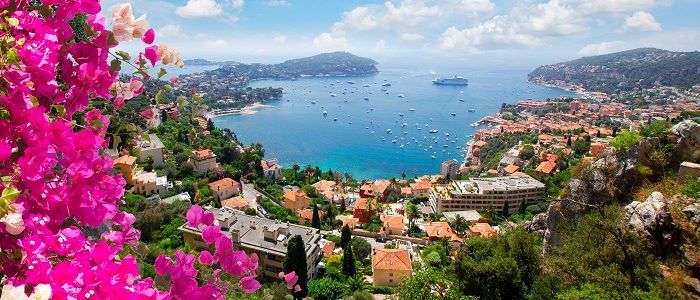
296 262
315 219
348 261
345 236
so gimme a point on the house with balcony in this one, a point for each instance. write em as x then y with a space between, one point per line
126 165
203 161
390 266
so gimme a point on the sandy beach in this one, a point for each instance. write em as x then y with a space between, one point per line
247 110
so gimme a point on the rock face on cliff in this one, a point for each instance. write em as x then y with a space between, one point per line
688 141
652 220
610 177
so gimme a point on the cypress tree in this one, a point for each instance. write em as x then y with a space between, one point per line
296 261
342 206
521 209
505 209
345 237
348 261
316 220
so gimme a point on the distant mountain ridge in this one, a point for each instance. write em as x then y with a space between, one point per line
326 64
206 62
624 71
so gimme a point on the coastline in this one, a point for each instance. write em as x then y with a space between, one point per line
246 110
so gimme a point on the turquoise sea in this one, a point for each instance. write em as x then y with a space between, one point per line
295 129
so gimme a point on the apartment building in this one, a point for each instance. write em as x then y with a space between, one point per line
152 148
267 238
482 193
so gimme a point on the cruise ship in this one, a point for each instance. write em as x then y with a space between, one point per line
451 81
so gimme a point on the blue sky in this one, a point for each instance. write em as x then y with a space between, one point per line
520 32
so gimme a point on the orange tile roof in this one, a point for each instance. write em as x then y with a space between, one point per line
308 214
510 169
393 221
236 203
482 229
546 167
360 203
406 191
421 185
480 144
200 154
294 195
324 185
126 160
391 259
350 222
438 230
519 174
223 184
327 248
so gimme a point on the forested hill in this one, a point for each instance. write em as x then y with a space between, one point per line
623 71
327 64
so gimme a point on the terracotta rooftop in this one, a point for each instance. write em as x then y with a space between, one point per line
421 185
293 196
126 160
202 154
438 230
308 214
393 221
482 229
510 169
391 259
546 167
237 202
324 185
223 184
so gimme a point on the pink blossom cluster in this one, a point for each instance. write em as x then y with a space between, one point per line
58 187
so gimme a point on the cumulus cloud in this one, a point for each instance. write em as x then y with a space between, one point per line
603 48
199 9
613 6
276 3
390 16
641 21
335 39
238 3
380 45
411 37
495 33
280 39
170 31
474 8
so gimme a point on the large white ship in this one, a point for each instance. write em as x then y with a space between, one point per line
451 81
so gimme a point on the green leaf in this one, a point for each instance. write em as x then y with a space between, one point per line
159 96
60 109
162 72
9 194
111 41
13 22
6 178
115 66
123 55
97 124
12 57
168 88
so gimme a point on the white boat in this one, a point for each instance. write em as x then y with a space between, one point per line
386 84
388 131
325 113
313 102
432 156
411 109
471 110
433 131
351 82
335 119
394 141
400 95
334 95
400 114
366 98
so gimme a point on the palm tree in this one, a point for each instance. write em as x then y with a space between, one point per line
356 283
459 224
412 213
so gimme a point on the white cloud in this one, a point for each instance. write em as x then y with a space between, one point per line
411 37
170 31
613 6
216 43
641 21
199 8
474 8
603 48
238 3
494 33
551 18
280 39
524 25
390 16
276 3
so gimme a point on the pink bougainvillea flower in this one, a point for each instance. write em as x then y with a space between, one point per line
173 80
211 234
5 151
149 36
291 279
206 258
147 113
136 86
249 284
151 54
196 216
118 103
